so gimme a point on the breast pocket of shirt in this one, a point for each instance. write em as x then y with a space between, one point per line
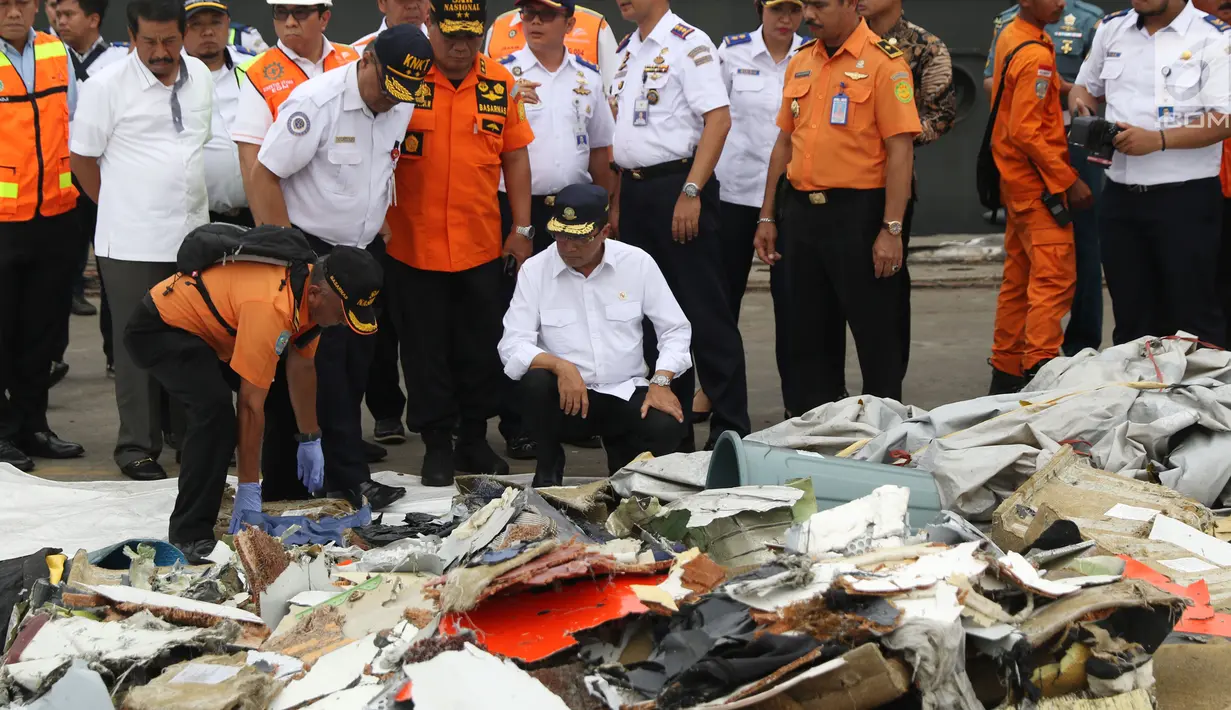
1112 78
624 318
344 173
751 97
420 135
797 94
861 115
198 120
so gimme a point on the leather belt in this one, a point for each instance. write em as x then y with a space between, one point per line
673 167
1153 188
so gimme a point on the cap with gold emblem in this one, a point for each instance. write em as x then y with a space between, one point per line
771 3
460 17
580 210
405 57
355 275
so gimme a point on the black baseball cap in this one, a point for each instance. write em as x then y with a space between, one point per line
405 57
192 7
580 209
460 17
355 275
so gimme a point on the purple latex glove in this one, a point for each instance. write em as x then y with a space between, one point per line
247 497
311 466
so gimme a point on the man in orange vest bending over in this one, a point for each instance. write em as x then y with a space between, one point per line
302 52
591 38
39 236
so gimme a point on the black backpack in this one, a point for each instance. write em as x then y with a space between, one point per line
218 244
987 174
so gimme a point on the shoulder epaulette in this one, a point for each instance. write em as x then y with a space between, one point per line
624 42
508 60
732 40
121 45
1119 13
243 50
1218 24
682 30
482 65
809 43
587 65
889 49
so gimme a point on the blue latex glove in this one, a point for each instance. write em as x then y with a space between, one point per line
311 466
247 497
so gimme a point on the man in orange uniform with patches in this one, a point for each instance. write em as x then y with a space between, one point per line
1031 151
846 142
444 277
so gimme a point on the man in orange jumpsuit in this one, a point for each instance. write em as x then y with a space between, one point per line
447 253
1031 151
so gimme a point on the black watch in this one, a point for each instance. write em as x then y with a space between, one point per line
305 438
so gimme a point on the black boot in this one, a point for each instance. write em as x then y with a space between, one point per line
1029 375
437 458
1004 383
474 455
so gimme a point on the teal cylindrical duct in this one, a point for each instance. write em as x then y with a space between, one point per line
835 481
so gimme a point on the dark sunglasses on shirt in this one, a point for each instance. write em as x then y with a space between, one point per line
299 12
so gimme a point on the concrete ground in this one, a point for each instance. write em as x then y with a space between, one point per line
952 335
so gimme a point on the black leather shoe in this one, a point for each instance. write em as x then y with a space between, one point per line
145 469
1030 374
111 370
437 459
543 479
389 431
374 453
521 448
590 442
58 371
196 551
1004 383
476 457
46 445
15 457
82 307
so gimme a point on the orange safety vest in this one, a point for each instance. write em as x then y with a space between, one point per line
35 177
582 41
276 75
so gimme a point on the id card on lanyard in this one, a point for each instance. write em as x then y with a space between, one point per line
840 106
641 107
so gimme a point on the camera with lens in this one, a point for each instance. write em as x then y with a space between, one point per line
1096 135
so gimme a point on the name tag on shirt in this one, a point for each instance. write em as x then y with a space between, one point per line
641 112
582 138
837 110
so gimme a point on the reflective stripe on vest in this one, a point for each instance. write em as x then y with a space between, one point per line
35 177
276 75
582 41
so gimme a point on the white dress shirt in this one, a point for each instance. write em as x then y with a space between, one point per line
335 158
105 54
253 119
153 176
571 119
607 54
594 322
223 180
1155 82
681 80
754 81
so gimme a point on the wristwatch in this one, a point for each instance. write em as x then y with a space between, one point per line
527 232
894 228
305 438
660 380
691 189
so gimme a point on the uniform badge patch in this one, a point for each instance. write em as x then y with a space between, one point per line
425 96
516 71
795 108
413 145
298 123
903 92
1040 87
492 98
682 31
493 127
283 338
273 72
652 96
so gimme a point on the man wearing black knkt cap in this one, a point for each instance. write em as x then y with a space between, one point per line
176 337
584 374
326 167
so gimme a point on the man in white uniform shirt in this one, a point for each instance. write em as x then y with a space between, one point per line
1163 70
138 148
77 23
326 167
672 119
397 12
574 338
208 25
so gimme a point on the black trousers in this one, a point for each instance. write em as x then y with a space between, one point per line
511 424
188 368
695 273
738 230
242 218
1160 257
830 269
87 219
37 261
384 393
449 324
625 434
343 358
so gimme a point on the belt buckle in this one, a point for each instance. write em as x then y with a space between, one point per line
817 198
636 173
550 200
1138 188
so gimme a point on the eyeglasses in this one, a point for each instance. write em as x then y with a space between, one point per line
543 14
299 12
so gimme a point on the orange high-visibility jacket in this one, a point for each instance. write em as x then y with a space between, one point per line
35 177
275 75
582 41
